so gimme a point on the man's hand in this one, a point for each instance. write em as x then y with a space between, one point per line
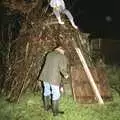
39 83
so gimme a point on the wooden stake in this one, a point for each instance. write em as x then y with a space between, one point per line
89 75
26 51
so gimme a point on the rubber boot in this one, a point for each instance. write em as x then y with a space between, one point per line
47 103
56 111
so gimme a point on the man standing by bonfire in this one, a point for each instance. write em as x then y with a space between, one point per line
56 66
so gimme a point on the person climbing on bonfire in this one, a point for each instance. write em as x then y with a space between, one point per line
59 7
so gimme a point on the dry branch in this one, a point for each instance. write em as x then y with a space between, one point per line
25 82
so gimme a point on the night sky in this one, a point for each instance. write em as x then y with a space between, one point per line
101 19
100 16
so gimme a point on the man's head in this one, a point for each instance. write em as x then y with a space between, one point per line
60 49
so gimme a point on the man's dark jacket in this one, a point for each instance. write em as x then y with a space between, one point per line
56 65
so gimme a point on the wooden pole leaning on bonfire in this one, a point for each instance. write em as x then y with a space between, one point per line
87 71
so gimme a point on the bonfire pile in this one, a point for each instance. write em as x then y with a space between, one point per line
38 36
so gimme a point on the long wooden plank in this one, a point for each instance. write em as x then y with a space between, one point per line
88 73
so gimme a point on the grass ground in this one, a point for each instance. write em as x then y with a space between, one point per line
30 108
